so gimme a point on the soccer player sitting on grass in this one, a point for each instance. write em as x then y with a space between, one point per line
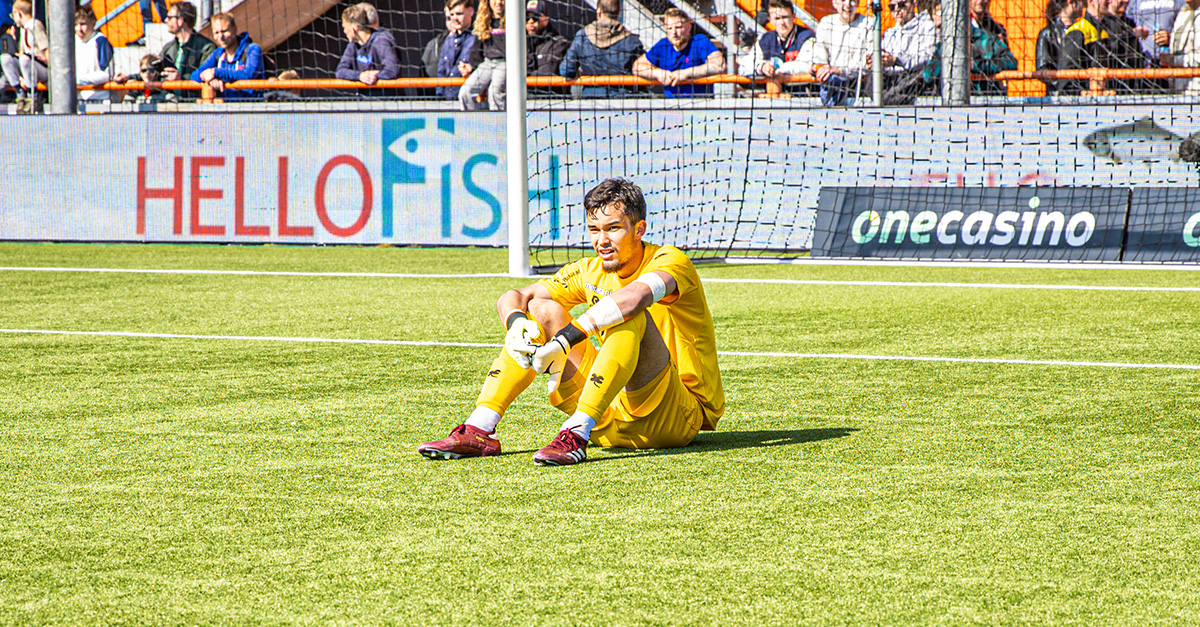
653 383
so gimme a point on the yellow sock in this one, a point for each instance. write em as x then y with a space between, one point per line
614 366
504 383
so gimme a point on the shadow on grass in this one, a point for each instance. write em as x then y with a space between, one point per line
708 441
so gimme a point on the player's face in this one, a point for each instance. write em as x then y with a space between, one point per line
678 31
497 8
615 238
458 18
783 21
978 7
904 10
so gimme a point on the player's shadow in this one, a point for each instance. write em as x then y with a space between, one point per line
709 441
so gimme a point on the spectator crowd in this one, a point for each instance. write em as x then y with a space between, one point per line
836 51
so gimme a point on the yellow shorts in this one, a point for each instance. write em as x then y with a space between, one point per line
663 414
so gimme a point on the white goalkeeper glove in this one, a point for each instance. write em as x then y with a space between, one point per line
520 337
551 357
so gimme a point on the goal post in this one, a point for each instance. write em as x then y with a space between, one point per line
515 129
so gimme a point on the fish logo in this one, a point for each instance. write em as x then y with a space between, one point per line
1142 140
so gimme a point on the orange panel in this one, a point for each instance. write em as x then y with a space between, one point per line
125 27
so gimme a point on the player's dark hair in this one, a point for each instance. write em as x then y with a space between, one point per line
610 191
782 4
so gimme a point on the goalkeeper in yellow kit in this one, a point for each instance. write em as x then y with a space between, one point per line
653 383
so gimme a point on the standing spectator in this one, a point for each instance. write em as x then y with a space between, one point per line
784 44
31 63
1185 43
989 55
680 57
1124 46
93 56
444 53
910 43
183 54
1157 17
982 18
187 49
603 48
544 46
485 70
236 58
1060 15
844 40
1085 45
148 17
371 54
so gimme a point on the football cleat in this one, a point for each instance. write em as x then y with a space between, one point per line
463 441
567 448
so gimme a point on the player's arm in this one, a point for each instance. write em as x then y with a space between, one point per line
520 331
610 311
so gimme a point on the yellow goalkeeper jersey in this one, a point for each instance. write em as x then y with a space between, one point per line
682 318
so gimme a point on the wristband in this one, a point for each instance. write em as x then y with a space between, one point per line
513 317
572 334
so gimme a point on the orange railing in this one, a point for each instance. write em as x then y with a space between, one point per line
1096 78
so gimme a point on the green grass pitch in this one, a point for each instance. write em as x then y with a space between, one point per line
152 480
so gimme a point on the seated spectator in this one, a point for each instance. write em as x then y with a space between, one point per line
151 71
982 18
544 46
680 57
93 56
989 55
843 41
1157 18
30 65
603 48
444 53
235 59
485 70
788 43
371 54
1185 43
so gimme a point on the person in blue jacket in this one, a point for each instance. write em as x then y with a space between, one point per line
370 56
235 59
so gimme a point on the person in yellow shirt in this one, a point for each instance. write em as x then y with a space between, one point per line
653 383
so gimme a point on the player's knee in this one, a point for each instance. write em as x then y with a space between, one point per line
549 314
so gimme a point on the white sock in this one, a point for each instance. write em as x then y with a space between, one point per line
484 418
581 424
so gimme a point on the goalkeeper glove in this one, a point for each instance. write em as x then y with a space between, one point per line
519 340
552 356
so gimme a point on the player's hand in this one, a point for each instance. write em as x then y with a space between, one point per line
551 357
519 341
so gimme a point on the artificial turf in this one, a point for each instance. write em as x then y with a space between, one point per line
171 480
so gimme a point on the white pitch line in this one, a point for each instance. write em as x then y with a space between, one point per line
323 340
1006 286
386 275
1013 286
